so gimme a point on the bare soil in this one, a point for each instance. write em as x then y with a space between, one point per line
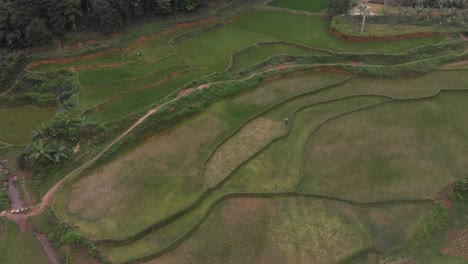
455 64
72 59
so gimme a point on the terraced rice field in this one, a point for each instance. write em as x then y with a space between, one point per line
316 164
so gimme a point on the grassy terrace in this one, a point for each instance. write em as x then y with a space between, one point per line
354 169
16 123
311 6
19 247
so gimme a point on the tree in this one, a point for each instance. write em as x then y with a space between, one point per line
163 6
37 33
338 7
73 10
364 12
40 151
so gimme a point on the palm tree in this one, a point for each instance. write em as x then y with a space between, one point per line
41 150
59 152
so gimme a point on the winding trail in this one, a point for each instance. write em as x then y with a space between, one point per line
20 218
50 194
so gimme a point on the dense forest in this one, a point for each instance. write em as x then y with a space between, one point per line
25 23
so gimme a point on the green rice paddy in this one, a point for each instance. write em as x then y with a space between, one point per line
311 166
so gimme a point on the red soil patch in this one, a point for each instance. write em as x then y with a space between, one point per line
383 39
456 244
203 86
357 63
168 31
186 91
272 78
445 196
231 20
72 59
24 173
101 65
332 69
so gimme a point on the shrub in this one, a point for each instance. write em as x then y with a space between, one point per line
338 7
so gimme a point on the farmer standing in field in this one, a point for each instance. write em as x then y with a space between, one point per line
286 121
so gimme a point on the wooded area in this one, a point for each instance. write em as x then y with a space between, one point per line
25 23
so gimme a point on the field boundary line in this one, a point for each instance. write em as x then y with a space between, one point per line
210 190
122 94
264 195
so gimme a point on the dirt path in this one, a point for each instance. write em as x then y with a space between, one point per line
20 218
50 194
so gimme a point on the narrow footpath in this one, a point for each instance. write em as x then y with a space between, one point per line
16 214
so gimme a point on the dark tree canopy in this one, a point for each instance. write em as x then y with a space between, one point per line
32 22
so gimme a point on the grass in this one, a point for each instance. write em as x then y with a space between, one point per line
150 170
271 92
158 48
406 150
434 241
303 5
95 95
261 52
280 177
391 226
261 97
104 59
256 230
213 49
140 99
4 199
314 32
16 124
351 28
19 247
95 76
278 167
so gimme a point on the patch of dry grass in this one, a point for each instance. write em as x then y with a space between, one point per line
159 176
276 230
249 140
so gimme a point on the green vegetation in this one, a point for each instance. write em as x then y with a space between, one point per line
104 59
350 28
19 247
398 161
95 76
392 225
17 123
314 32
161 46
4 200
95 95
139 99
250 230
256 131
179 140
304 5
262 51
62 236
200 51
